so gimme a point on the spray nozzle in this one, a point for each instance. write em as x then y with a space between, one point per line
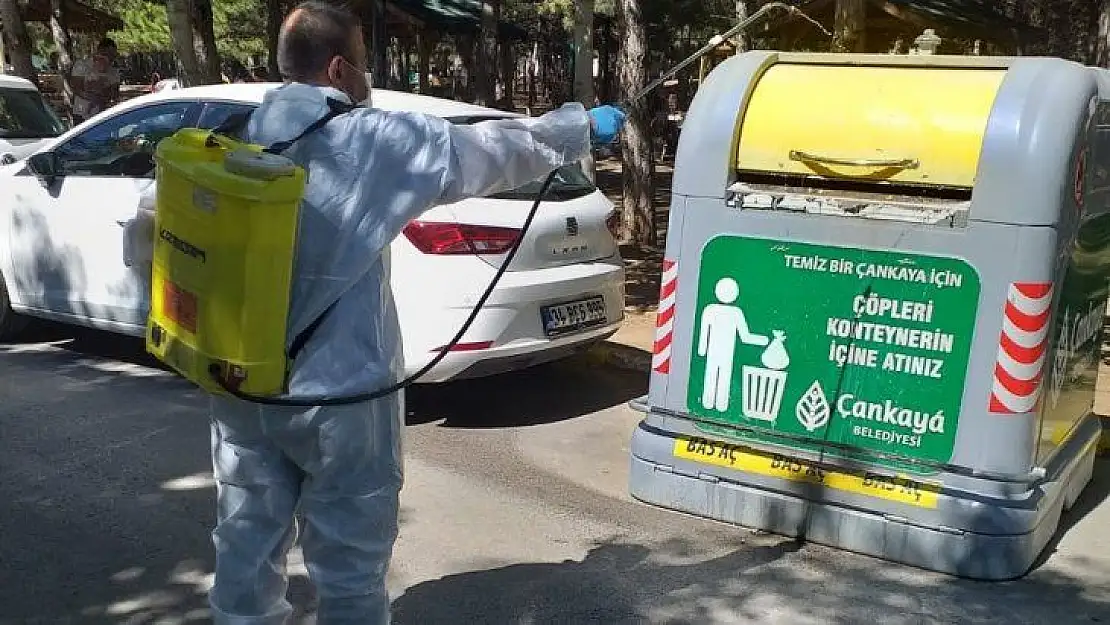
802 14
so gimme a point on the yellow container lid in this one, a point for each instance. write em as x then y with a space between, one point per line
918 125
229 167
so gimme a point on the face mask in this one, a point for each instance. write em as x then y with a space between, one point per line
369 87
369 91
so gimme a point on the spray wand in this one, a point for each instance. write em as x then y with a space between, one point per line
717 40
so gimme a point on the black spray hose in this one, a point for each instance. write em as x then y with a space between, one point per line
397 386
305 402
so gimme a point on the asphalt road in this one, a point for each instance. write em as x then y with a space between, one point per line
515 511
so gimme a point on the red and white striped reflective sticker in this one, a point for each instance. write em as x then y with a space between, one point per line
664 318
1021 348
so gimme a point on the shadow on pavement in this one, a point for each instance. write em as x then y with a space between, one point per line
608 586
84 342
545 394
548 393
619 583
106 496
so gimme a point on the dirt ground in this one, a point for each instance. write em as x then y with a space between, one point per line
643 264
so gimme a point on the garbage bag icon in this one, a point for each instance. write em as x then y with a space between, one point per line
763 387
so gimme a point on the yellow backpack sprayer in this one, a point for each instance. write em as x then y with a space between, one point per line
226 230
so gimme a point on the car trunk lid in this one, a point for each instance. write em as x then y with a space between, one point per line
571 225
569 228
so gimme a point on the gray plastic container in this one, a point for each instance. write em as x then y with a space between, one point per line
892 347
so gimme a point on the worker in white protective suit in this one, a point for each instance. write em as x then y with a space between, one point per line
369 173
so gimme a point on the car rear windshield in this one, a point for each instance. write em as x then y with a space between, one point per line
570 183
24 115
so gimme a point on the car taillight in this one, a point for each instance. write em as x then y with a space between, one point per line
432 237
613 222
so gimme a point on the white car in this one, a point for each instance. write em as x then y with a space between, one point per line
27 122
65 213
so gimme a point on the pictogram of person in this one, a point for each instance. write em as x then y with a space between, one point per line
721 324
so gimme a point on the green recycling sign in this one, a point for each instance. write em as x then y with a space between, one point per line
859 347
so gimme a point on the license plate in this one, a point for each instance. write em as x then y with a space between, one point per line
573 316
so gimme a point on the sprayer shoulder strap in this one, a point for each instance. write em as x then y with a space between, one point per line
301 339
337 108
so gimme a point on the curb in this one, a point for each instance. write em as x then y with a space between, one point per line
620 356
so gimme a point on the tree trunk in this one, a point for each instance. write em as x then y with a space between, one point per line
274 16
16 39
508 74
604 47
204 40
403 65
179 17
742 41
465 44
194 41
553 76
850 26
530 71
486 53
424 44
60 31
379 41
1102 38
584 52
638 210
584 64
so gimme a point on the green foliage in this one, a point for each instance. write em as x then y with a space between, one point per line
42 42
145 28
240 26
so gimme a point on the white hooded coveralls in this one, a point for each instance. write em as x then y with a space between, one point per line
370 172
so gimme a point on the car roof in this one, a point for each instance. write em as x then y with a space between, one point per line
7 81
253 93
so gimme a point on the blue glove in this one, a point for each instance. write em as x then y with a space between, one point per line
606 123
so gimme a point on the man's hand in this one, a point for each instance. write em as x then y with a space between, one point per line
606 123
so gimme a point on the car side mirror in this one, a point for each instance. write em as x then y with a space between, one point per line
46 166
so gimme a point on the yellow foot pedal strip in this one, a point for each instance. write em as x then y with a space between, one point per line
731 456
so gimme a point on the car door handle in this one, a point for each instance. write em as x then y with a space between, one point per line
122 223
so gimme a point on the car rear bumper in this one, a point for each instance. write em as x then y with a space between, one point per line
508 333
494 361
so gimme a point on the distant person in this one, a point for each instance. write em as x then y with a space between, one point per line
95 82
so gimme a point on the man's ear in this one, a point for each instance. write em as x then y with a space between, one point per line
335 69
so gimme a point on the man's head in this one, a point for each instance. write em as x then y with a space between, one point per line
107 49
322 44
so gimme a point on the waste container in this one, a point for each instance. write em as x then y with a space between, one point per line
881 308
